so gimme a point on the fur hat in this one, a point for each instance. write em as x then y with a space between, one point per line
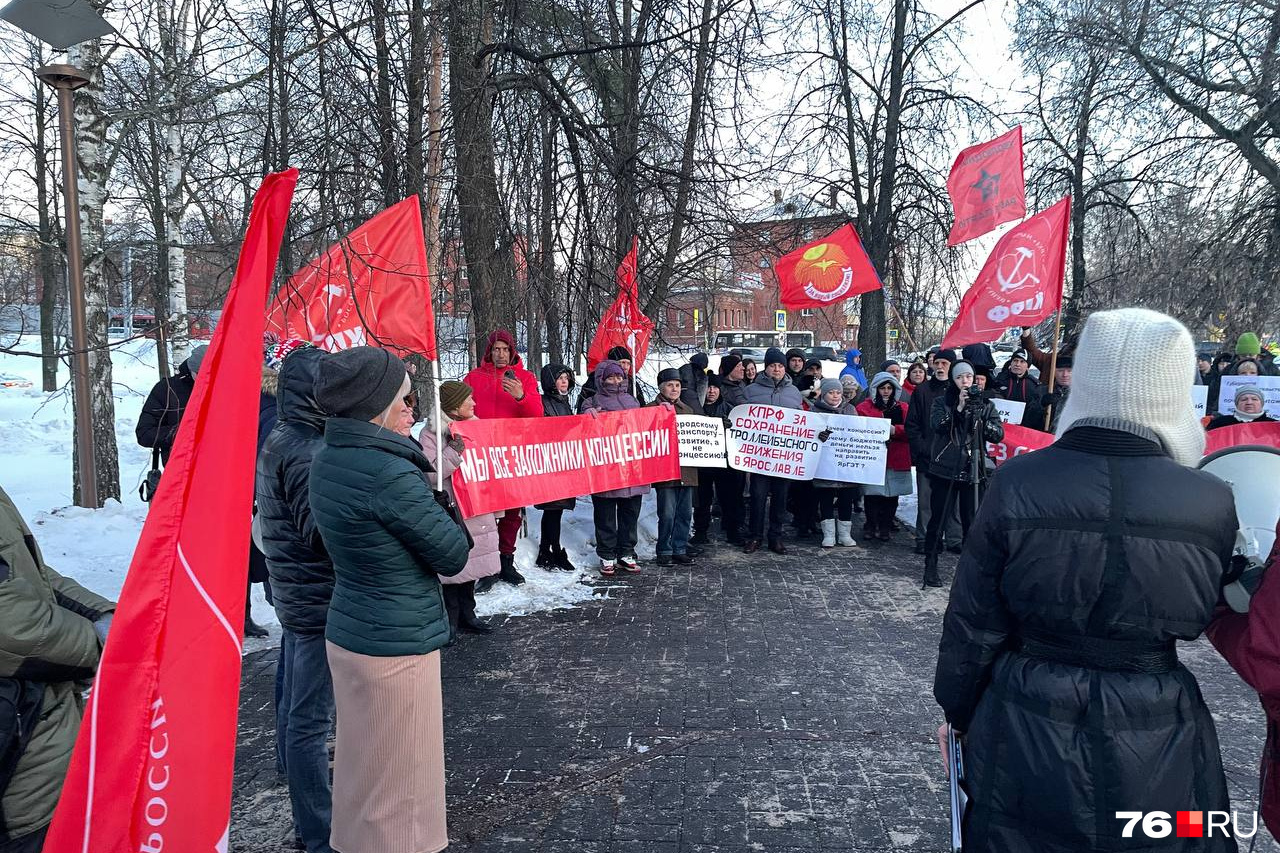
668 374
1159 400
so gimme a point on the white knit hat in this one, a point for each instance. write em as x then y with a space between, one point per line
1104 386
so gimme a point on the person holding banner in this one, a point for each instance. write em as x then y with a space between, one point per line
1089 561
961 419
457 403
835 497
617 511
1249 409
675 497
504 389
771 388
557 384
390 541
882 501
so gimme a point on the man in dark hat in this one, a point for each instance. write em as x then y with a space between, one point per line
693 382
773 387
795 363
920 438
1015 383
1055 400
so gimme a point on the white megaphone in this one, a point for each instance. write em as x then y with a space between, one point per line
1253 473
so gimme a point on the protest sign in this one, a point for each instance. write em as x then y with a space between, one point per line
511 462
1017 441
1200 399
1011 412
801 445
702 442
855 450
774 442
1268 385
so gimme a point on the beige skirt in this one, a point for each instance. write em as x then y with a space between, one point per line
388 773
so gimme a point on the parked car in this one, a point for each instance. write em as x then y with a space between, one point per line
822 353
756 354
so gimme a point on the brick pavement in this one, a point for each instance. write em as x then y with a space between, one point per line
746 704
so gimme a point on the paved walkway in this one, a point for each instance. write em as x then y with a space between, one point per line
775 704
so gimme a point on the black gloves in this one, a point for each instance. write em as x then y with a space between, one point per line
824 435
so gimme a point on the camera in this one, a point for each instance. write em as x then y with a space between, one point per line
974 392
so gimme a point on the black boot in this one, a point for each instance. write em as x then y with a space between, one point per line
562 562
452 607
251 628
546 557
931 570
467 619
509 573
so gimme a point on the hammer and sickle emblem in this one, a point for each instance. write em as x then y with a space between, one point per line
1012 280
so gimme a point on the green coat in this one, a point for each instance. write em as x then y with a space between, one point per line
388 539
46 635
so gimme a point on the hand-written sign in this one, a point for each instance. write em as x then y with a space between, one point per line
1011 411
1268 385
1200 399
702 443
802 445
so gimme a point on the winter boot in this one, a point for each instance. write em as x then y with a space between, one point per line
486 583
467 619
546 557
251 628
561 561
828 533
844 534
509 573
931 570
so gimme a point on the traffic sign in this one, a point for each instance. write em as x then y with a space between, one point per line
780 320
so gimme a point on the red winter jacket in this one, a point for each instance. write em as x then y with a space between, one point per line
492 400
899 449
1251 644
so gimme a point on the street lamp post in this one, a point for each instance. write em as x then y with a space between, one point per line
65 79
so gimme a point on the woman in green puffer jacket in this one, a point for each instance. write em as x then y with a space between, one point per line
389 541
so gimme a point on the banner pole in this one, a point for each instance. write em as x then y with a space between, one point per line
435 370
1053 365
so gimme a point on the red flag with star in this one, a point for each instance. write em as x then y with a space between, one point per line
987 187
1021 282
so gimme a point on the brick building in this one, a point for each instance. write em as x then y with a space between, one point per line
745 296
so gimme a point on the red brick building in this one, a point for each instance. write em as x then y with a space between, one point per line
746 296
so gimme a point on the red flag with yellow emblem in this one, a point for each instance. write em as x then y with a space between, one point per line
825 271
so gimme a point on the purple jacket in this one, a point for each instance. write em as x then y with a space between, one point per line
608 400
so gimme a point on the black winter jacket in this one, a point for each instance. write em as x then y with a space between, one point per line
297 562
919 433
162 411
388 539
951 451
1100 538
554 404
693 388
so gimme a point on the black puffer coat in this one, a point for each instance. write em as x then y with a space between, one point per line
919 411
951 450
299 567
162 412
556 405
1122 546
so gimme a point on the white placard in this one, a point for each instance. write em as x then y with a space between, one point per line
702 443
773 441
1269 385
1200 399
801 445
855 450
1011 411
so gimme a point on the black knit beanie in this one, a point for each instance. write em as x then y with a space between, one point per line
359 383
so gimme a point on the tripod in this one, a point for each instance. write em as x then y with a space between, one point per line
975 413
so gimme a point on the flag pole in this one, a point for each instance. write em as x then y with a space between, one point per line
1053 365
435 371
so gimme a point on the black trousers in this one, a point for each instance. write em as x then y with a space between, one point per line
551 519
459 600
773 492
32 842
616 520
723 486
835 503
803 503
943 495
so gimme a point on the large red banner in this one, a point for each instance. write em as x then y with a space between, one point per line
152 766
370 288
517 462
1017 441
987 187
1266 434
1021 282
825 271
623 324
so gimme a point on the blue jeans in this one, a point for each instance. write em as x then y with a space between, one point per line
675 516
304 718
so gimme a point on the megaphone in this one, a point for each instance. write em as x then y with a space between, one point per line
1253 473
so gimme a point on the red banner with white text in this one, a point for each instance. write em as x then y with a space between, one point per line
370 288
1017 441
152 766
1265 433
522 461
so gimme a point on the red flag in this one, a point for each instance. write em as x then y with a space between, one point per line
371 288
987 187
1021 282
152 766
819 273
623 324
